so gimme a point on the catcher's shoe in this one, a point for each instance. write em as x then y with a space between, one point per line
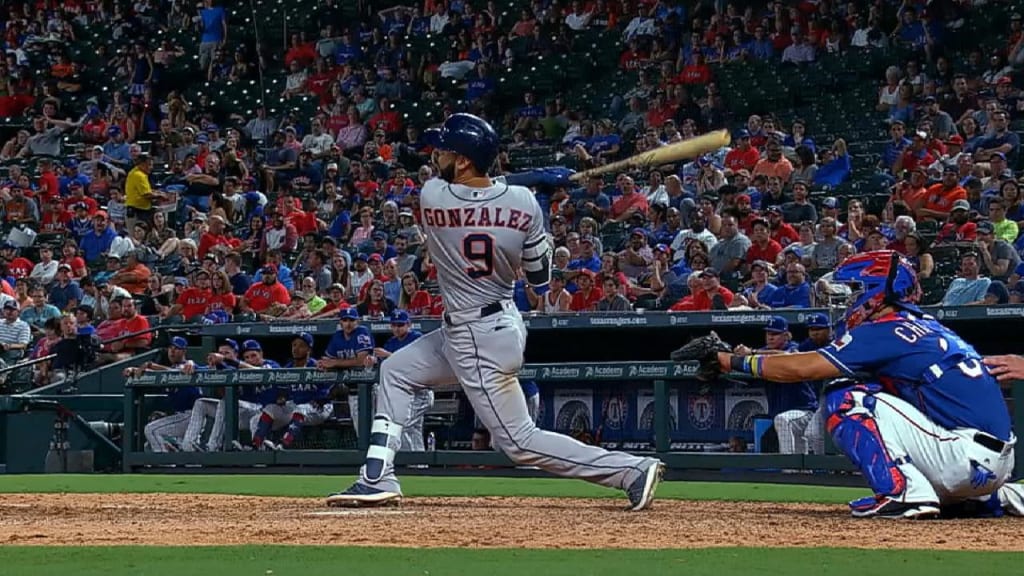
641 491
886 507
363 495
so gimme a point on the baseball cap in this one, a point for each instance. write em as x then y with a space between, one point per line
332 166
742 133
761 264
75 184
64 267
251 345
71 163
955 140
113 130
212 128
380 236
348 314
921 134
181 281
10 305
269 269
361 256
830 202
818 321
776 324
638 232
743 198
203 139
985 227
405 212
84 308
1004 80
774 209
231 342
947 169
794 249
999 155
305 337
375 258
662 248
181 343
709 272
100 214
961 205
399 317
558 218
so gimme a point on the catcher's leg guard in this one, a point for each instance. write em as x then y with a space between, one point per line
852 425
385 437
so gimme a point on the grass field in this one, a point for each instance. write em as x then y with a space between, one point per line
311 561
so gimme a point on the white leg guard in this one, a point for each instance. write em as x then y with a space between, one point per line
1011 498
385 439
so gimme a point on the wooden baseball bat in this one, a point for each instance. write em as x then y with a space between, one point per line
664 155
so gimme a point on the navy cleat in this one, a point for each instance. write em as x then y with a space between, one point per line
886 507
641 491
362 495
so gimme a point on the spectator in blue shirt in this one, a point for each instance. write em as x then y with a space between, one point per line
894 149
479 85
760 47
71 174
796 293
588 259
215 31
65 293
1000 141
347 51
591 201
116 150
97 242
971 286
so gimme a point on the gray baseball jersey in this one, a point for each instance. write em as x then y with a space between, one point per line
478 238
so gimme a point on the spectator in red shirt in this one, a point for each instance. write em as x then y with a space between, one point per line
915 155
214 238
54 218
958 228
387 118
630 202
300 51
193 301
743 156
17 266
697 72
69 256
762 246
267 297
48 186
587 294
780 231
412 299
131 323
712 295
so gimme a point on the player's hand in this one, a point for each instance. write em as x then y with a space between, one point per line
322 364
1006 368
381 353
189 368
742 350
369 361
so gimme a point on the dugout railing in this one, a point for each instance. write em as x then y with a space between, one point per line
661 374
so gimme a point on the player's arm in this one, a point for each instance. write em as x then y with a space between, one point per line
536 260
797 367
357 362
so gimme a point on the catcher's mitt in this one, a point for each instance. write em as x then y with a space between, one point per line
703 350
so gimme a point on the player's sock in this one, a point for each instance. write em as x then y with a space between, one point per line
380 455
262 430
294 430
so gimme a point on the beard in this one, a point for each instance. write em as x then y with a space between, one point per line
447 173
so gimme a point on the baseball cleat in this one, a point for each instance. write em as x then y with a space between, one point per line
268 445
363 495
641 491
886 507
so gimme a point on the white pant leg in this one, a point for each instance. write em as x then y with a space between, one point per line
533 407
314 414
203 409
814 433
412 432
486 355
791 427
942 458
159 432
246 410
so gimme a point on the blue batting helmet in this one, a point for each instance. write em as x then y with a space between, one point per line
877 279
467 135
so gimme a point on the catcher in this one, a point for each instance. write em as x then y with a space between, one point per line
912 405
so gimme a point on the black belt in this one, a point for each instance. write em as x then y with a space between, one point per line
490 309
992 443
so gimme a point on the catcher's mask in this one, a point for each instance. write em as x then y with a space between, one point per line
876 279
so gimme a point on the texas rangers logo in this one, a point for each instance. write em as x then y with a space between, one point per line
701 412
614 412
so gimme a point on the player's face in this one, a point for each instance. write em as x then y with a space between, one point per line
300 349
820 336
176 355
776 340
226 351
399 330
348 325
254 357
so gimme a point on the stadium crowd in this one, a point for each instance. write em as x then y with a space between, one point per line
128 204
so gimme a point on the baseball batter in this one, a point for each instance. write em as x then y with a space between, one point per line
915 408
479 234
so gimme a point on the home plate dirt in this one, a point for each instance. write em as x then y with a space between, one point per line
203 519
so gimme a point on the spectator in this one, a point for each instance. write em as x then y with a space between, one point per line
613 301
999 140
1005 229
15 334
46 269
958 228
774 163
267 297
97 241
133 276
940 198
998 258
629 202
133 335
795 293
214 31
970 287
65 293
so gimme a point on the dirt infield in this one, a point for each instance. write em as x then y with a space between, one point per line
197 519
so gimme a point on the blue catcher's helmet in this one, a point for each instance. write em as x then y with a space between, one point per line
877 279
469 136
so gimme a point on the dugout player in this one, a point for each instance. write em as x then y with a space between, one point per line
479 232
349 347
225 358
402 334
300 404
915 408
165 434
